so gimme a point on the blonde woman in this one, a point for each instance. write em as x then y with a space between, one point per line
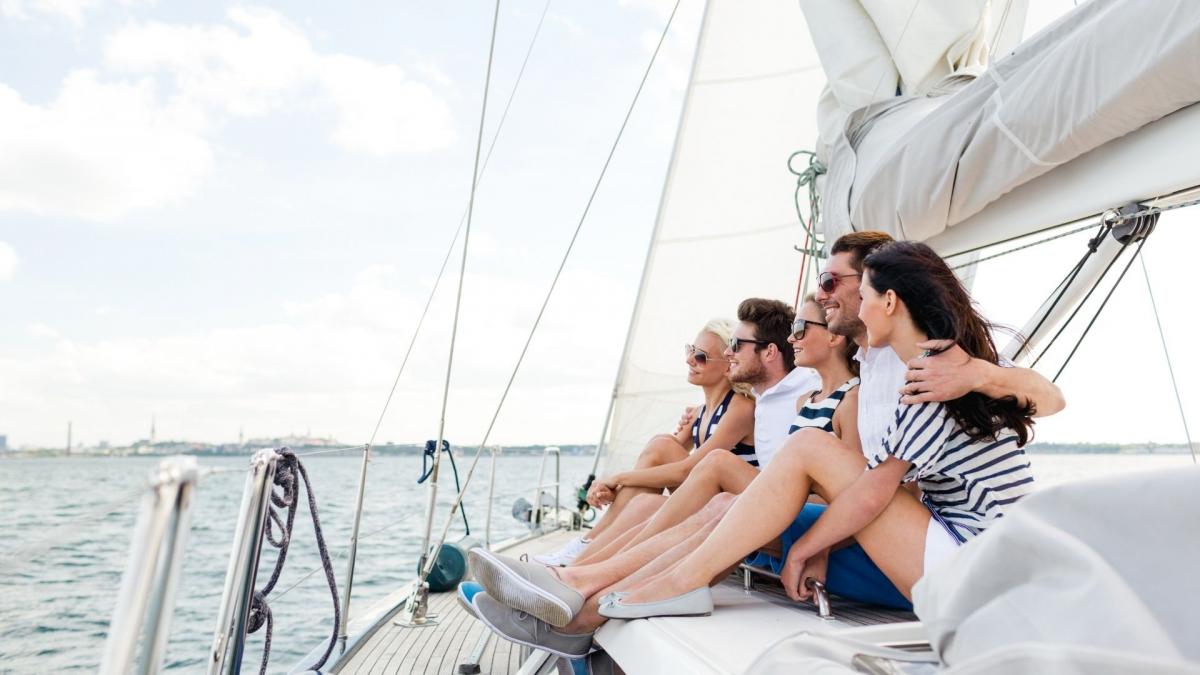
725 420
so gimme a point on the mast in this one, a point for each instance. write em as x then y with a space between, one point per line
646 267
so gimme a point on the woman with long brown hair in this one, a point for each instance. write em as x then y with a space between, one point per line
965 455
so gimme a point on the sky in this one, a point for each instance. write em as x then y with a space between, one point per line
227 218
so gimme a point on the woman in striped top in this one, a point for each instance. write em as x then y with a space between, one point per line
965 454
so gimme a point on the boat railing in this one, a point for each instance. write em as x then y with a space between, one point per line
137 636
229 639
536 514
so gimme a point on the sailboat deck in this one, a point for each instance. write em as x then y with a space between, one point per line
745 624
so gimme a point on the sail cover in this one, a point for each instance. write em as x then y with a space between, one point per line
727 224
916 165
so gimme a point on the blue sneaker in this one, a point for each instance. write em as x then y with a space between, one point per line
466 593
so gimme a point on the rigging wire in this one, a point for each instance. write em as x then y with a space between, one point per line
1099 309
1170 368
450 249
342 553
1039 242
430 559
462 271
1062 288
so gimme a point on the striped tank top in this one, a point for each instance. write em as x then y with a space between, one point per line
819 414
743 450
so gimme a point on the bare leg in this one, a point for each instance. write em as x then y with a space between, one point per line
719 471
660 450
588 579
810 460
624 528
588 619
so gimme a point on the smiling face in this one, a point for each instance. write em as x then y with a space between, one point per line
814 346
746 365
876 313
841 304
706 365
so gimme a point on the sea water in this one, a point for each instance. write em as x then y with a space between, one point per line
67 522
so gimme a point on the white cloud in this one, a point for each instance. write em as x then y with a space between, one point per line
8 262
138 134
262 63
328 365
381 111
98 151
71 10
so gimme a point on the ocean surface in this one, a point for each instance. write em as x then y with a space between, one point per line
65 535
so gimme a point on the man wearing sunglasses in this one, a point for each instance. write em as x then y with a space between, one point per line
947 373
760 356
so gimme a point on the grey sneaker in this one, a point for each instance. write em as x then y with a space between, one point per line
529 587
522 628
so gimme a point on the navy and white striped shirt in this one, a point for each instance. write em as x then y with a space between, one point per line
819 414
967 484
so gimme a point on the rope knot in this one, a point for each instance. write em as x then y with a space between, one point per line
260 612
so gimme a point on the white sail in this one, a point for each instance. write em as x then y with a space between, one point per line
727 226
930 167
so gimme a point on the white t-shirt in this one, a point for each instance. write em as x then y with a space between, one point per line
882 374
775 408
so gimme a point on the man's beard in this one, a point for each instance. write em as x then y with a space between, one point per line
850 328
748 374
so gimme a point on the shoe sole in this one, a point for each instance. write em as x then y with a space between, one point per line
517 592
467 607
497 631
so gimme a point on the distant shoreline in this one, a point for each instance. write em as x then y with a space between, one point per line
568 450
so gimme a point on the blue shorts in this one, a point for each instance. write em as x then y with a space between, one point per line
851 573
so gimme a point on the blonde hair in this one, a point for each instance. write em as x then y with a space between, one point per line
723 329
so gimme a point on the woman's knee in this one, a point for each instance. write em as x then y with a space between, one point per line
716 461
661 449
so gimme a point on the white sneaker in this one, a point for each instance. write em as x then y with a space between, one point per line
563 556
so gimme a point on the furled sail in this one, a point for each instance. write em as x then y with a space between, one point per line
727 225
932 166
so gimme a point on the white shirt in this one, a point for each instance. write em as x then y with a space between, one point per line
775 408
882 374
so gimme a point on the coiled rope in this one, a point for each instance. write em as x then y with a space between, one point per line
288 473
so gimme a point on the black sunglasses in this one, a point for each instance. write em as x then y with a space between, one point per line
827 281
699 355
735 343
802 325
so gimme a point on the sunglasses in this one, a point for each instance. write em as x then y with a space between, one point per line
802 325
827 281
698 355
735 343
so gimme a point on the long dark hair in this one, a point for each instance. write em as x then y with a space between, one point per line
942 309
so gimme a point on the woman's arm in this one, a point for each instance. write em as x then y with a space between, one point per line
736 423
859 504
845 420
